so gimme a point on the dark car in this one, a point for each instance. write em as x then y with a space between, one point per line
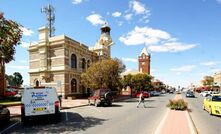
4 114
190 94
145 94
101 97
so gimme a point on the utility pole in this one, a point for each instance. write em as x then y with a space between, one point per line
50 16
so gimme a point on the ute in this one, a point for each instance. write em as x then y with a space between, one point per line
101 97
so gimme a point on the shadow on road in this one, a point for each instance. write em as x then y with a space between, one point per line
70 122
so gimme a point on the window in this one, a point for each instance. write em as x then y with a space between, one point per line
88 63
73 85
73 61
83 63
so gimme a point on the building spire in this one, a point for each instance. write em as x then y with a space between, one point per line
144 51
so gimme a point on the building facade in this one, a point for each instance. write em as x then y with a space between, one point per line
59 61
217 78
144 61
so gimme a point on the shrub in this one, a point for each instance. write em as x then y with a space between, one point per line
179 104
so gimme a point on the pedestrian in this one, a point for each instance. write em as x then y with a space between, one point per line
141 100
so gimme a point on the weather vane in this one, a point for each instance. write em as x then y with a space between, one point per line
50 16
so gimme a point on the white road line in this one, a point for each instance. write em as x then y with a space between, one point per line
66 115
159 128
190 123
9 127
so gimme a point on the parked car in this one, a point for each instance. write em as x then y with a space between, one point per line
101 97
212 104
205 93
190 94
4 115
9 93
145 94
154 93
40 102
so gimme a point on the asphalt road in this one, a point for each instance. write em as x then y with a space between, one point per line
121 118
204 122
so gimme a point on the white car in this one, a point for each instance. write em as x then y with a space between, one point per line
205 93
39 102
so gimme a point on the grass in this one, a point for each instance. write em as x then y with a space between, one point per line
179 104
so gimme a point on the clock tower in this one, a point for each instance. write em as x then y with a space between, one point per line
144 61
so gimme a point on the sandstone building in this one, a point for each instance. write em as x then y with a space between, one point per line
59 61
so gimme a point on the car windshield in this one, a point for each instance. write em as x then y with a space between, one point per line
216 98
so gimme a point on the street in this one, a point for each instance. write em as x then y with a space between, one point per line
122 117
204 122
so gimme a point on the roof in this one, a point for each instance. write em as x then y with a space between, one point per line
144 50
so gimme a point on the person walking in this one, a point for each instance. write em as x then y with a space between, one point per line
141 100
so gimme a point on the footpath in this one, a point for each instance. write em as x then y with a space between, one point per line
15 111
176 122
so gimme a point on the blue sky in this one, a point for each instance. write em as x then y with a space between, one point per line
183 36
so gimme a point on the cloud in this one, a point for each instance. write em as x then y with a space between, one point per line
128 17
144 35
95 19
75 2
157 40
171 47
137 7
129 59
187 68
18 67
116 14
210 63
26 32
25 44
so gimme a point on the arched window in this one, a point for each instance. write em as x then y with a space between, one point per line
73 85
37 83
73 61
88 63
83 63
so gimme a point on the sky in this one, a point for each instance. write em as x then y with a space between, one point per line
182 36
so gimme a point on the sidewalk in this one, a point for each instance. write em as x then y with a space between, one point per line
176 122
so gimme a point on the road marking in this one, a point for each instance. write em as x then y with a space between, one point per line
159 128
66 115
9 127
190 124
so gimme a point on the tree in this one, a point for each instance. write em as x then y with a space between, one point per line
208 81
103 74
137 82
15 79
10 35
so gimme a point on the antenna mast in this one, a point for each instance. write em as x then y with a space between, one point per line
50 16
